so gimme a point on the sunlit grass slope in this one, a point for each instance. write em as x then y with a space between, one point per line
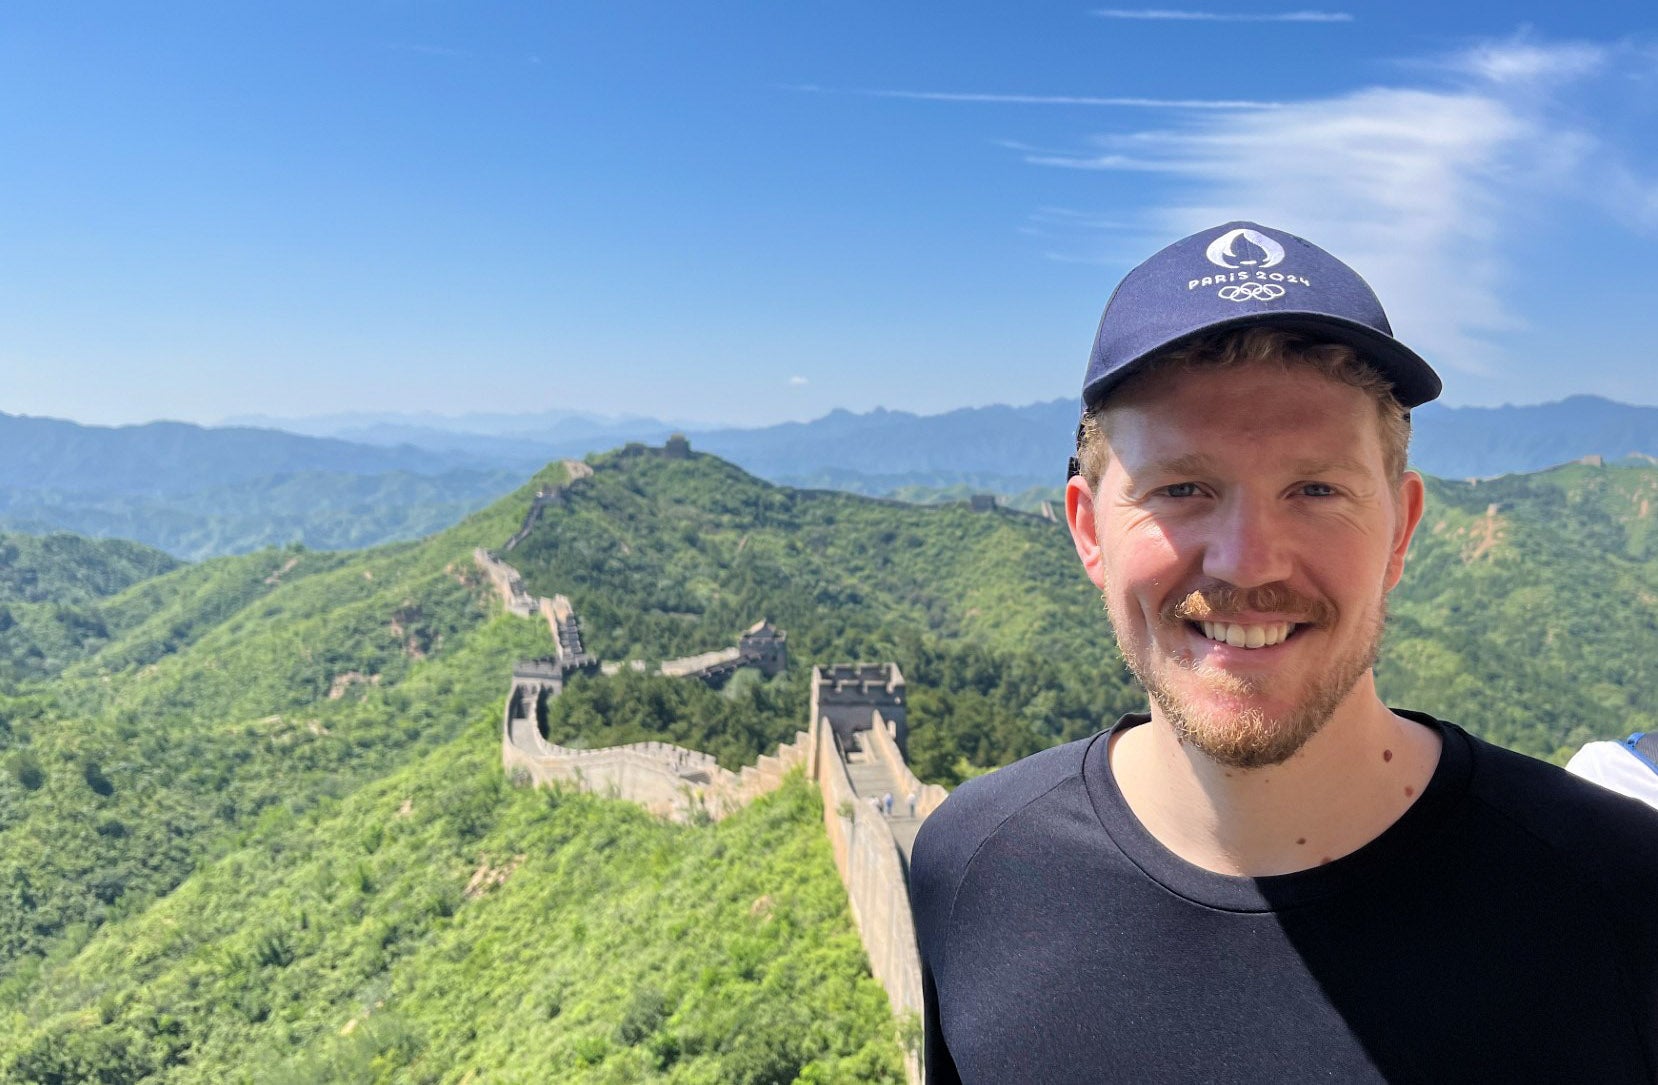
441 925
277 678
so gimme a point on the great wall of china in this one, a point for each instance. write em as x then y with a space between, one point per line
852 749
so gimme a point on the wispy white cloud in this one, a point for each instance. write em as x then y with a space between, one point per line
798 381
1427 190
1410 186
1519 60
1225 16
1048 99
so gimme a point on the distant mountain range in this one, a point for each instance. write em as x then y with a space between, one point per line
172 458
361 479
1480 442
1001 448
197 492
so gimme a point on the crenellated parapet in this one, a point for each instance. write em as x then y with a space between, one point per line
850 696
668 780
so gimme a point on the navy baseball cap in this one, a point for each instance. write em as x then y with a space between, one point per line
1243 275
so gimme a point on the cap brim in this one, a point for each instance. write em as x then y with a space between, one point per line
1414 381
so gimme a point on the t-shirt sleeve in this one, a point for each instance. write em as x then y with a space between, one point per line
940 1067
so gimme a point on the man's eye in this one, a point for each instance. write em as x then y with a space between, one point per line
1181 489
1317 489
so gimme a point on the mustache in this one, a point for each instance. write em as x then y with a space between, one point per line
1218 601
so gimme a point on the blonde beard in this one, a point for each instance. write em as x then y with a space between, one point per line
1250 739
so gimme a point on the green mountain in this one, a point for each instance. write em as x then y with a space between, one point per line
1529 609
178 457
323 510
263 834
256 829
47 588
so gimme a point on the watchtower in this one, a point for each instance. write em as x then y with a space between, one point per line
765 646
533 682
848 696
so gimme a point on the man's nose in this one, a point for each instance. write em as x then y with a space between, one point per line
1248 545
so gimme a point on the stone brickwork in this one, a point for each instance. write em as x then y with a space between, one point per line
765 646
857 711
880 741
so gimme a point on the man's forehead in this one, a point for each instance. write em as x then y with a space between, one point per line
1260 391
1190 418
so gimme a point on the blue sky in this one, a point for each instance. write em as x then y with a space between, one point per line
755 212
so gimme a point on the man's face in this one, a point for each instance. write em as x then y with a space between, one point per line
1244 536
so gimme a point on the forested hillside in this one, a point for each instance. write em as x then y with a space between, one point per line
275 799
320 509
47 587
1529 610
255 828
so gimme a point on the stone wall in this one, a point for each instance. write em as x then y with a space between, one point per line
574 471
507 583
565 627
877 886
670 781
858 706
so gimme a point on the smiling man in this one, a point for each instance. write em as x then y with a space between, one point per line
1272 876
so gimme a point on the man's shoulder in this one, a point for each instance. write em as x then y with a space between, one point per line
980 806
1581 822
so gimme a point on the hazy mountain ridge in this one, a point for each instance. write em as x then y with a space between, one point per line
199 492
169 458
324 510
1005 449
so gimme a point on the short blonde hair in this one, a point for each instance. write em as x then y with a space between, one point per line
1251 347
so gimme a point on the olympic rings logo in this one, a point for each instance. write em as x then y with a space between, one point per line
1251 292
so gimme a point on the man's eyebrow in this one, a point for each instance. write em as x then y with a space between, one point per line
1329 464
1190 463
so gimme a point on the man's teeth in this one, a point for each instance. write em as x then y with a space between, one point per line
1247 636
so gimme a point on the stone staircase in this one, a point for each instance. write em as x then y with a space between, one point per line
871 780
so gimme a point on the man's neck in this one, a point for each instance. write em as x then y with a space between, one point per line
1352 780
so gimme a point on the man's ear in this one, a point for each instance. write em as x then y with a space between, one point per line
1409 499
1079 517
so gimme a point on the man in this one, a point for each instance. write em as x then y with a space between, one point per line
1273 877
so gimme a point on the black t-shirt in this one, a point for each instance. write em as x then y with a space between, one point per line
1505 929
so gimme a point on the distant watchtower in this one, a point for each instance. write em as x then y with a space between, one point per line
533 682
677 447
764 646
850 695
